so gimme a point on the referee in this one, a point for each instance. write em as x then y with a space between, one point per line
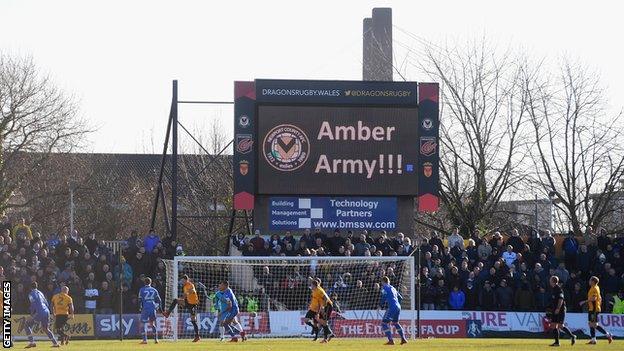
559 311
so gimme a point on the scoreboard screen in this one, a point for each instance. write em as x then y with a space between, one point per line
330 150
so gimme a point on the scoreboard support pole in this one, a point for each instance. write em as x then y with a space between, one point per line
171 216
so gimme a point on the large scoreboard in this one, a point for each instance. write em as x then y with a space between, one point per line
335 142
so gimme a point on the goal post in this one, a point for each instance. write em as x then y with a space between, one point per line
273 293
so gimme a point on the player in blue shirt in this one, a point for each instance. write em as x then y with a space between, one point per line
391 298
39 313
228 307
149 303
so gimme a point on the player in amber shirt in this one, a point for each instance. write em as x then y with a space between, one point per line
190 303
63 309
594 302
310 317
323 305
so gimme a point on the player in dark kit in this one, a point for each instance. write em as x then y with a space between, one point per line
558 312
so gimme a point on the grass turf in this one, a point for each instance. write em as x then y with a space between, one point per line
337 344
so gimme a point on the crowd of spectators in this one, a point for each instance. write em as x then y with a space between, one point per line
321 244
483 272
493 272
90 268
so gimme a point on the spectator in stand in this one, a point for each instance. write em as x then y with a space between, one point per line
535 241
289 250
21 299
610 284
453 278
548 241
493 277
456 240
91 244
257 241
127 272
602 240
619 241
584 261
435 240
524 299
130 300
544 261
249 250
105 299
471 292
319 235
496 241
289 239
22 231
471 252
407 248
487 297
562 273
274 242
570 250
5 224
504 296
397 241
457 298
383 245
575 297
151 241
510 255
362 246
239 241
91 295
476 237
484 250
441 296
542 299
307 238
169 246
589 237
515 241
140 264
319 245
428 296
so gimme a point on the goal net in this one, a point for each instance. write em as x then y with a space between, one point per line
273 293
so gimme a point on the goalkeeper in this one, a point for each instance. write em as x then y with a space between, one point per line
189 303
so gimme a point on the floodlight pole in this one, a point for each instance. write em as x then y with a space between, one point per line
174 162
159 191
171 218
72 208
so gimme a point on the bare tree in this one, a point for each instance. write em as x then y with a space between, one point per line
578 152
481 133
112 194
37 118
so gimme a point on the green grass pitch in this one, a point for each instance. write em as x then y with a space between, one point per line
336 344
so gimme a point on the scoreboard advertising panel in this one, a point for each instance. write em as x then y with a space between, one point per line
332 142
370 213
